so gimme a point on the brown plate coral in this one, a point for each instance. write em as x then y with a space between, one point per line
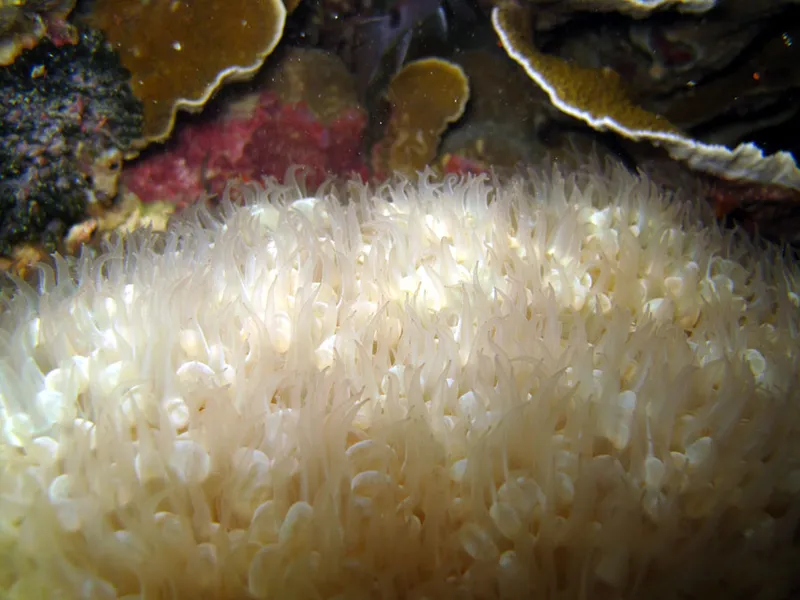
599 98
179 53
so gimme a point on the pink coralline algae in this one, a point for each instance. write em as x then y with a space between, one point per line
205 156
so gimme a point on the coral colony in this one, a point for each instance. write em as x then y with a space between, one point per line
563 386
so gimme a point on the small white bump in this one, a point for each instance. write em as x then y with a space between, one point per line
756 361
659 309
192 343
478 543
136 404
305 205
61 489
523 494
111 376
616 419
654 472
44 450
189 461
700 452
265 524
601 218
205 563
253 478
297 526
264 575
458 469
281 332
93 588
565 489
505 519
370 455
128 294
149 467
88 429
612 568
54 407
194 371
370 484
33 331
325 352
228 375
80 367
178 413
674 285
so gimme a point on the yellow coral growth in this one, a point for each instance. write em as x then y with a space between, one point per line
425 97
316 77
179 53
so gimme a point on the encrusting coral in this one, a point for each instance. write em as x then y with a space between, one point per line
565 386
317 78
180 53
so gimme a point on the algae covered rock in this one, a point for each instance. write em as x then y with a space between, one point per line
66 120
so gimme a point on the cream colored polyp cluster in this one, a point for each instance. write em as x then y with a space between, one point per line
555 388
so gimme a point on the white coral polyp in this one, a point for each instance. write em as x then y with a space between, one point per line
562 387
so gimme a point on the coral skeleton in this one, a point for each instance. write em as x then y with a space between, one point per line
560 385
